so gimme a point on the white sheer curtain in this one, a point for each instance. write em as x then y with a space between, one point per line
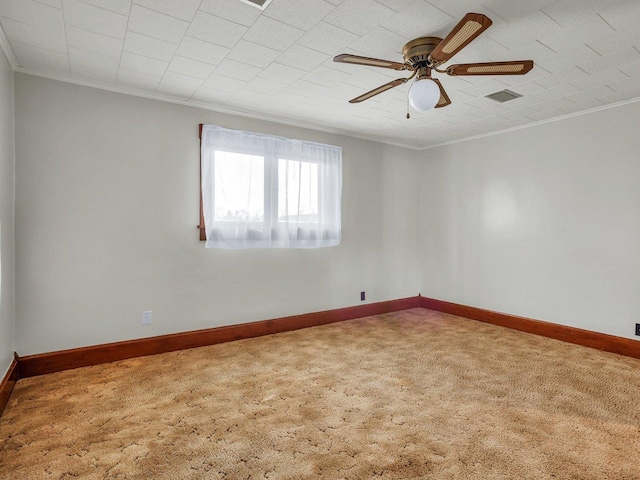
261 191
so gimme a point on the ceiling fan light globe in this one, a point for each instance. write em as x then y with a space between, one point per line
424 94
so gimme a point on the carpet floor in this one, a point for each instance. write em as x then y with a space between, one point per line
409 395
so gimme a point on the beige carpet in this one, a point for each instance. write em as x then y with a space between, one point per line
409 395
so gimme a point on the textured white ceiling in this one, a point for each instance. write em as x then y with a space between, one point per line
277 63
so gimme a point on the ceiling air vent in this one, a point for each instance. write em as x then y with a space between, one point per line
261 4
504 96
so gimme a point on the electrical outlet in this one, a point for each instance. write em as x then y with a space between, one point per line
638 329
146 317
362 296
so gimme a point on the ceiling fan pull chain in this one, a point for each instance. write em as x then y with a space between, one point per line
408 115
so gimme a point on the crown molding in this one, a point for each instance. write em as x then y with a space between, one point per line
204 106
283 121
8 51
534 124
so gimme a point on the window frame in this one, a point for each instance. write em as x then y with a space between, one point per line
271 170
201 227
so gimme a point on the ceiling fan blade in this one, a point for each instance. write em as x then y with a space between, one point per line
370 62
471 25
380 89
517 67
444 98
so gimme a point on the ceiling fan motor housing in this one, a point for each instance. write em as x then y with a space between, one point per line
416 52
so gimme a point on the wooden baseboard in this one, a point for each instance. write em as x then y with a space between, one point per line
7 384
40 364
586 338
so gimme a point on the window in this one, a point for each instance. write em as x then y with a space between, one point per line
261 191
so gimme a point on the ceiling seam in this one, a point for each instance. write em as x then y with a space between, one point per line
122 50
66 39
98 7
156 11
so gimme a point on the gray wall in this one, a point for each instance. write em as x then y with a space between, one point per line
542 222
106 214
7 183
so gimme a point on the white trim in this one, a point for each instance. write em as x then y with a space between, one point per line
300 124
8 51
534 124
204 106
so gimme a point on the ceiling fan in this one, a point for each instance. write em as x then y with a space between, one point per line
425 54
